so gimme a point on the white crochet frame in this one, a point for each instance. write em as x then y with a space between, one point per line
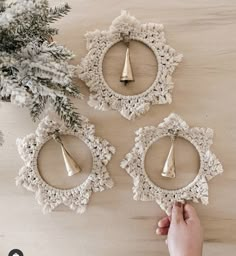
144 189
102 97
48 196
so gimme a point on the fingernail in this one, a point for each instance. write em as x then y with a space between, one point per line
158 232
178 204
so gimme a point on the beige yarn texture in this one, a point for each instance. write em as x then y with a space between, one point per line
102 97
50 197
144 189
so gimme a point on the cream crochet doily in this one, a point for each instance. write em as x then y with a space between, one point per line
102 97
144 189
48 196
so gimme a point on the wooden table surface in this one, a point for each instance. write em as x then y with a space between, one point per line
204 95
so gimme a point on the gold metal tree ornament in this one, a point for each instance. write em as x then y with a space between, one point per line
169 166
71 166
127 73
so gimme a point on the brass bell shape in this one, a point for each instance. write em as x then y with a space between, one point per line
169 166
71 166
127 73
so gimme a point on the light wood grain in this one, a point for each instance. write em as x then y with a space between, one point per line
204 95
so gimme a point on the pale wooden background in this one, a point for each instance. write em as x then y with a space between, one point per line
204 95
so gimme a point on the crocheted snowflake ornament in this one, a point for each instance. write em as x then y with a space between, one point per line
102 97
48 196
144 189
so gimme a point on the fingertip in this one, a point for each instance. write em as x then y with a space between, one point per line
164 222
162 231
177 212
178 204
160 225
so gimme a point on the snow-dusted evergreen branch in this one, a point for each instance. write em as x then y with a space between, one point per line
33 69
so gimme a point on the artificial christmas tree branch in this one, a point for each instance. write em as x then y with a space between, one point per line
34 70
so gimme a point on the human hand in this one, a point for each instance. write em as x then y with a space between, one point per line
183 230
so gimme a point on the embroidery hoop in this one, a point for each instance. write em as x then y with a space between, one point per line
104 98
144 189
50 197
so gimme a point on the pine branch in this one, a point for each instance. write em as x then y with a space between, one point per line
5 99
71 91
2 6
58 12
32 70
38 107
64 108
30 23
57 51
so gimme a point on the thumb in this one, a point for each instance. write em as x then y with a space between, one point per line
177 213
